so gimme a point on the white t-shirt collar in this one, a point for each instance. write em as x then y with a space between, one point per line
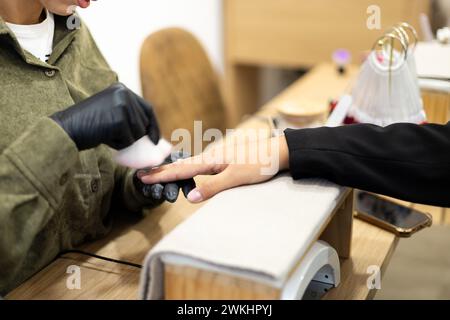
36 38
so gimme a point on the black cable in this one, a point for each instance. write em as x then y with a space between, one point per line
127 263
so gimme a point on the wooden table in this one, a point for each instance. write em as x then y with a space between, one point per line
298 34
132 239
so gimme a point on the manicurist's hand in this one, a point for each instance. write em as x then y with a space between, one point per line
116 117
228 165
165 191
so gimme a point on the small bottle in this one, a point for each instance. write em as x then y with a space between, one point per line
342 59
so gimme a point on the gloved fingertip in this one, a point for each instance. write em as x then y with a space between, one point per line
157 191
154 135
187 186
171 191
172 199
146 191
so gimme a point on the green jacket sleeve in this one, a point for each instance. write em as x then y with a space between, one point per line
34 171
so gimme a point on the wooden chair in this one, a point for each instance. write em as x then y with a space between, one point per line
179 80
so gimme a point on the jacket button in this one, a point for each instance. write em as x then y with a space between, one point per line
50 73
94 186
63 179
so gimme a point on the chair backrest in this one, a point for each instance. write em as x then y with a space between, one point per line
180 82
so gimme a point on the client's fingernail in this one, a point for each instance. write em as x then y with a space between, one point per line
142 172
195 196
146 179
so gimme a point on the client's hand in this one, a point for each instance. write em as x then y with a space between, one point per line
229 164
169 190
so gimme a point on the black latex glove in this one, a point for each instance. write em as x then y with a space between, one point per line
116 117
168 191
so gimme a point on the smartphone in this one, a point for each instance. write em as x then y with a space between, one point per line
398 219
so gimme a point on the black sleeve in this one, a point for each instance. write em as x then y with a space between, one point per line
404 161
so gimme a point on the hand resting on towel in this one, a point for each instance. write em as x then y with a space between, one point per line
227 164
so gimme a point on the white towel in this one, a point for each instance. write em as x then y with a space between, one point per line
143 154
257 232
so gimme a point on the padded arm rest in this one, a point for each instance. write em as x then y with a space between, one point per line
259 233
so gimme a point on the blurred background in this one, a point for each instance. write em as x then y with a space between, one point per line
257 48
120 28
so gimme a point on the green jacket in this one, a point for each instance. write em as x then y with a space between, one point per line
52 197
